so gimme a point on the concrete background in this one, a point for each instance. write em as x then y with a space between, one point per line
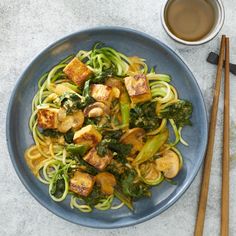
27 27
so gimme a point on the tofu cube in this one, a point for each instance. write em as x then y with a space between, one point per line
95 160
77 71
88 135
101 93
48 118
82 183
138 88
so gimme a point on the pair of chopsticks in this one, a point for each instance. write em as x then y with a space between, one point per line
224 54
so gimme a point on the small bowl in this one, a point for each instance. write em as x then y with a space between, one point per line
220 16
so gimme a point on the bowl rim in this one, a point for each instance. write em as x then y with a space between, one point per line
212 35
102 225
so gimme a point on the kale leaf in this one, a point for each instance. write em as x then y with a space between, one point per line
72 102
134 190
95 197
180 112
102 76
69 135
77 149
86 94
51 133
144 116
120 150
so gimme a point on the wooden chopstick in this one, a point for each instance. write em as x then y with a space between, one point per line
225 160
211 139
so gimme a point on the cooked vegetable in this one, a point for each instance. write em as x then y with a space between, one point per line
150 174
135 137
107 182
169 164
77 149
180 112
133 189
151 147
125 109
120 150
144 116
96 109
100 123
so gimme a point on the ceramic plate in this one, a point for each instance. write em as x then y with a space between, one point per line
129 42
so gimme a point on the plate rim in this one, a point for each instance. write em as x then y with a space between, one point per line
10 148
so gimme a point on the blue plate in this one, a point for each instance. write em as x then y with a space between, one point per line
129 42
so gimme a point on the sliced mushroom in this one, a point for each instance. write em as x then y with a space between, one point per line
169 164
61 114
107 182
96 109
67 122
78 120
135 137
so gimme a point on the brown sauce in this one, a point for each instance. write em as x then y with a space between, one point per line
190 20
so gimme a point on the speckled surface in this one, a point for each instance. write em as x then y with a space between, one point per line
29 26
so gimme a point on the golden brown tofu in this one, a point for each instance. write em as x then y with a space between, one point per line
47 118
101 93
88 135
95 160
82 183
138 88
77 71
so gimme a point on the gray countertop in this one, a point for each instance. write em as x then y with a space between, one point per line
26 28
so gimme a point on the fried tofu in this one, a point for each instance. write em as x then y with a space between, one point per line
48 118
95 160
82 183
88 135
77 71
138 88
101 93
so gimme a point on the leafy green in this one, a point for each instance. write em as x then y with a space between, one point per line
101 77
72 102
95 196
51 133
180 112
120 150
77 149
69 101
144 116
112 134
69 136
134 190
92 121
81 162
86 94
